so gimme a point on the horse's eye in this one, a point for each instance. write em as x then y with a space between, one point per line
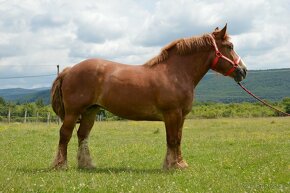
231 46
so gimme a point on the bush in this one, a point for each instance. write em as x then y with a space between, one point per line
216 110
286 103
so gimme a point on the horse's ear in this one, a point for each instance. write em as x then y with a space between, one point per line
222 34
216 29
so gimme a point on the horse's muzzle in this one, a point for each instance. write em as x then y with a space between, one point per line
240 74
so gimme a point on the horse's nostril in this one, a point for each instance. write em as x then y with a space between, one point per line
244 72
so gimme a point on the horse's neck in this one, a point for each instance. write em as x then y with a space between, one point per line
191 68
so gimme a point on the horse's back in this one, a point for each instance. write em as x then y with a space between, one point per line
109 84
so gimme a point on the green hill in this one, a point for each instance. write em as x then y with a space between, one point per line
25 95
272 85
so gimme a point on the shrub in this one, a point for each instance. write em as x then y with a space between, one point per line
286 103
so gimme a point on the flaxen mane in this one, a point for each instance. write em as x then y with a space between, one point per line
183 46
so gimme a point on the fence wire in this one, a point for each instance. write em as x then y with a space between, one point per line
11 115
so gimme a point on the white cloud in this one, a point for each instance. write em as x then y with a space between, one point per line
66 32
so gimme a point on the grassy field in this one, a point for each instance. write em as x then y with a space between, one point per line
224 155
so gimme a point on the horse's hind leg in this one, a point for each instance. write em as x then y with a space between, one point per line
65 135
86 124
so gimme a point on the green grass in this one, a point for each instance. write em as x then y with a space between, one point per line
224 155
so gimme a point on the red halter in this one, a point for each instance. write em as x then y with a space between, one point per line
219 55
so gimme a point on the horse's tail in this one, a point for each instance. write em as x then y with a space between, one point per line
56 95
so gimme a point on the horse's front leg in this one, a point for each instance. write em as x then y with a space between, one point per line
174 123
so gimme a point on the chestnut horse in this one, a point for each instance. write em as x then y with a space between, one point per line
160 90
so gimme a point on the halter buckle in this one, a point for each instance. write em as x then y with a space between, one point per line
218 54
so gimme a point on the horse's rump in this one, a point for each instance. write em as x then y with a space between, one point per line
56 94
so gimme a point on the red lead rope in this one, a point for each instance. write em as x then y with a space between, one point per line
283 113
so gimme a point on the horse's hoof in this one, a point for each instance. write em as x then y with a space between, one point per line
85 162
182 164
87 167
176 165
59 166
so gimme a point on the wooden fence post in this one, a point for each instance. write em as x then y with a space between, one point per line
37 115
48 117
9 115
57 66
25 115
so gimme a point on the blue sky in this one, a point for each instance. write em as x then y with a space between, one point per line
38 35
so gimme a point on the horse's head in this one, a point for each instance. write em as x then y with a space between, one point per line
225 60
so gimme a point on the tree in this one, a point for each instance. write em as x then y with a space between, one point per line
2 101
286 103
39 103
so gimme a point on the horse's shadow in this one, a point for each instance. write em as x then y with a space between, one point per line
116 170
104 170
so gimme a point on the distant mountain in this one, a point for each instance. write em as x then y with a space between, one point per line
273 85
25 95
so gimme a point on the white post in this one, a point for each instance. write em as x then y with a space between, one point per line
37 115
25 115
9 115
48 117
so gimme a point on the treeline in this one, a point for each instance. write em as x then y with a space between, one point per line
39 112
245 109
26 112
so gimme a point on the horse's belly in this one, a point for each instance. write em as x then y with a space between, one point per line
129 94
133 111
140 117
